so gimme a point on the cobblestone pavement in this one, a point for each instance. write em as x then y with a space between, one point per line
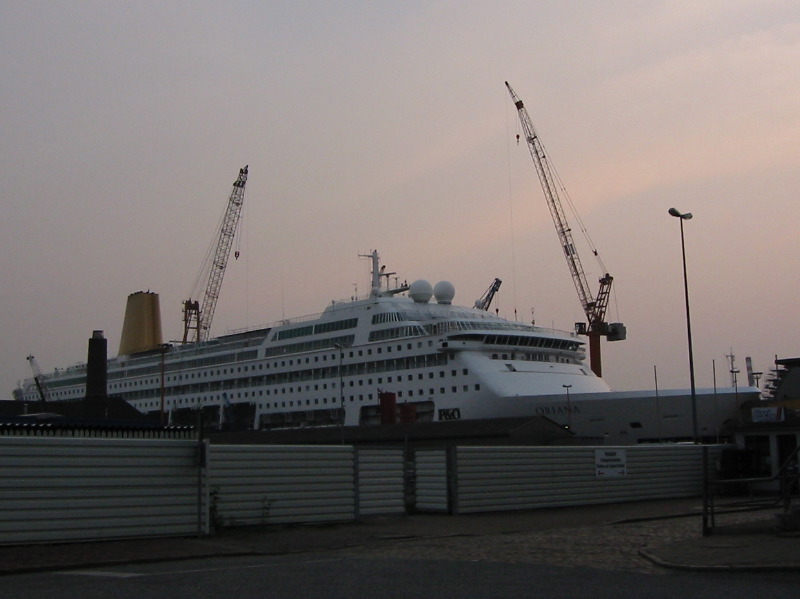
613 546
639 536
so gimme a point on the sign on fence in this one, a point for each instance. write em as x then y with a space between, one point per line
609 463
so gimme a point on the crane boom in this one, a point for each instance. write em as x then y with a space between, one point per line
38 378
554 203
485 300
594 307
195 317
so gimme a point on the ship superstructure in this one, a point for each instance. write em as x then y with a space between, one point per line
441 361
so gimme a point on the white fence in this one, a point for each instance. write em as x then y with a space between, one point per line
58 489
480 479
381 481
270 484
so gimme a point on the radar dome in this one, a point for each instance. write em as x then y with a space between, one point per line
444 292
420 291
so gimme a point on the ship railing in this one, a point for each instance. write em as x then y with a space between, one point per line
277 323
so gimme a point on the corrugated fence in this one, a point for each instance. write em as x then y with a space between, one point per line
268 484
60 489
481 479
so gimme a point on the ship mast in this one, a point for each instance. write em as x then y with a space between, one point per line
378 274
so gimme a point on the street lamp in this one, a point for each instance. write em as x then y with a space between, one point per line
682 217
735 374
341 388
163 347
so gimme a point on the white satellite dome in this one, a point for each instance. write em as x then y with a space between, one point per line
444 292
420 291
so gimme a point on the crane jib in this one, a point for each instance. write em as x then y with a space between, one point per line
594 309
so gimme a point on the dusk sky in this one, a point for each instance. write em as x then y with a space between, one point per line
387 125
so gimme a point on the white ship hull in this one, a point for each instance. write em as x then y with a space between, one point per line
440 361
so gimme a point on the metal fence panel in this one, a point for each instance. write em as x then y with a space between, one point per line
509 478
271 484
381 478
60 489
431 480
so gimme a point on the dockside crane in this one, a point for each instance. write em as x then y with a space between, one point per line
593 306
484 301
38 378
196 318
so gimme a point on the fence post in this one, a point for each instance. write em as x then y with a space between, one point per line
356 483
706 496
452 480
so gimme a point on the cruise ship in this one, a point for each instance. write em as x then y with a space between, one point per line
406 349
441 361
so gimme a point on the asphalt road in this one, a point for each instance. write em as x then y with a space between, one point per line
333 575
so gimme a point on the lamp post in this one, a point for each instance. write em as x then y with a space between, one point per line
735 374
163 347
682 217
569 408
341 388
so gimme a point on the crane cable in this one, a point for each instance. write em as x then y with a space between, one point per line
574 211
205 266
571 205
511 216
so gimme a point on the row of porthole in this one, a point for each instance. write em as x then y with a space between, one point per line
325 400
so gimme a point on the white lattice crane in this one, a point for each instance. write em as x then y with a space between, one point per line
593 306
196 318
